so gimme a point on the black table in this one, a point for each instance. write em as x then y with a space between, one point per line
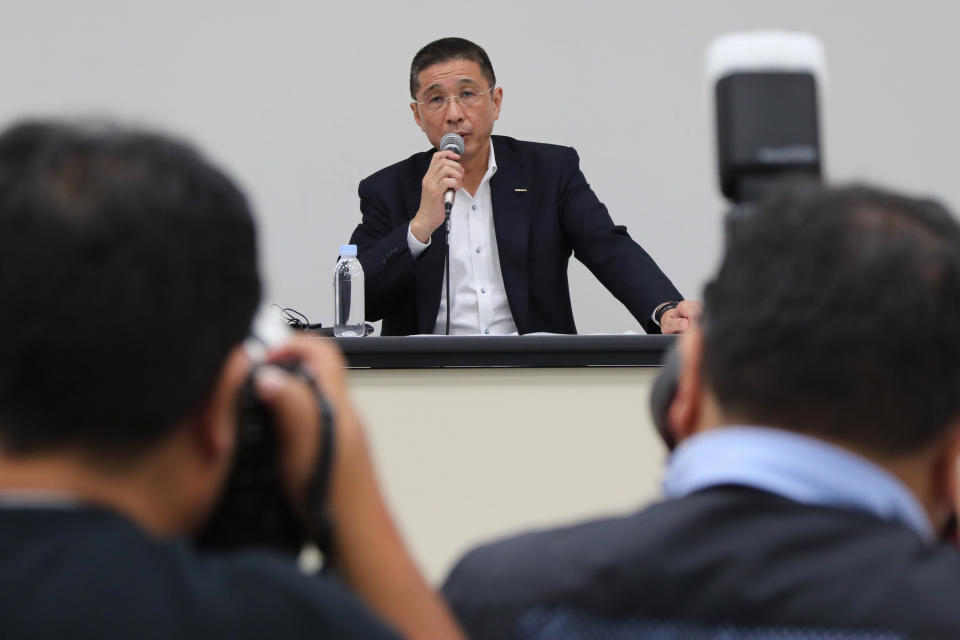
392 352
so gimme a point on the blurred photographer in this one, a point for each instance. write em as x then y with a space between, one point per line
128 280
818 415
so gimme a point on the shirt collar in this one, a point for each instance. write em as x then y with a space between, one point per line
794 466
485 181
491 164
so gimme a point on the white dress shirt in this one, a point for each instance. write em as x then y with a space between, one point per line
476 285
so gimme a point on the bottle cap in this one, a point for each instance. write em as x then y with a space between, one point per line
348 250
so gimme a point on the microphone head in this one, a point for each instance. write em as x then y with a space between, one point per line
452 142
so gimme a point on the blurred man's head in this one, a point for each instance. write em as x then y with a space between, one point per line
836 313
128 274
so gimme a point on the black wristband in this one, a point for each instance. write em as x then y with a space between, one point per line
662 309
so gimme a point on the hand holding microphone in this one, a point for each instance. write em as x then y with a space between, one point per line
443 178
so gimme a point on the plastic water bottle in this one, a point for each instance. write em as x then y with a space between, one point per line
348 294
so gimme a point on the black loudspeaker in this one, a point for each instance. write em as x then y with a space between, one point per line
767 127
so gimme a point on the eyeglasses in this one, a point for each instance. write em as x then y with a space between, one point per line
466 98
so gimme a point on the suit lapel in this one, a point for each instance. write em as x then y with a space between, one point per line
511 221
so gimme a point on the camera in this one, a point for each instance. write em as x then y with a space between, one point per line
254 510
766 104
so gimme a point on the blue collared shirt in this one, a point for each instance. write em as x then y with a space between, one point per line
794 466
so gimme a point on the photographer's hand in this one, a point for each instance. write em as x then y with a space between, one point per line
369 552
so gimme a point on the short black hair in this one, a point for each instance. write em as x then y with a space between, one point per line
444 50
128 271
836 312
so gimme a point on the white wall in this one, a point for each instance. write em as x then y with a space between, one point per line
301 99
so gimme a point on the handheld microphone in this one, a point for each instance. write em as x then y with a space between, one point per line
451 142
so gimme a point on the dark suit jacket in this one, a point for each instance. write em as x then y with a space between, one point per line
725 558
543 211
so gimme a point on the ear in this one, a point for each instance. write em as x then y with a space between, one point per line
497 102
416 115
685 410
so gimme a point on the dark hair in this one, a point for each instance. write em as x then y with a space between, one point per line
836 312
127 273
444 50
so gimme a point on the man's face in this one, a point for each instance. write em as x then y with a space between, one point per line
475 123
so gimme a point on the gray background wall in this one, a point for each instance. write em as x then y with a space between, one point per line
300 100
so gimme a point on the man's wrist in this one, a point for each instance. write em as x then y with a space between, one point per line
416 247
659 312
419 231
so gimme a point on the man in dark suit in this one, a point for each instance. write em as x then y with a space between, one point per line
521 210
818 409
